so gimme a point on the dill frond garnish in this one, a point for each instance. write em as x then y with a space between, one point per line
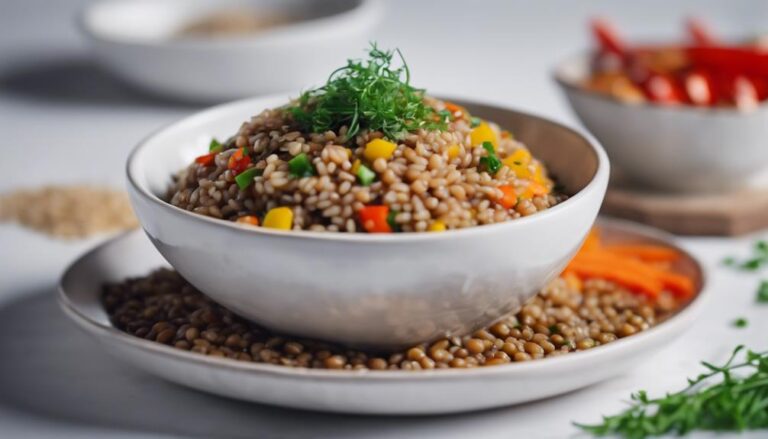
736 403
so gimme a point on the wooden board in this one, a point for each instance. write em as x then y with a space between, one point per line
724 214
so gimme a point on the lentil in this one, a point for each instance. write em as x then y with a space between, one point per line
144 307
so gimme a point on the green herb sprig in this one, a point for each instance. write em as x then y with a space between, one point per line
373 94
757 260
736 403
762 292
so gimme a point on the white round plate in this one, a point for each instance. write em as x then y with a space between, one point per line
369 392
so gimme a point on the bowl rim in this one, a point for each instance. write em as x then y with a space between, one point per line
597 183
571 85
678 320
289 33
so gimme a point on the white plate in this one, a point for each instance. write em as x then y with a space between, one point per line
380 392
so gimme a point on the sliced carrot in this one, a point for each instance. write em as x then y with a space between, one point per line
454 109
645 252
592 241
629 279
509 199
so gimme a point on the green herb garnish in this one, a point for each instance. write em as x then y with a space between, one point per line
491 162
391 221
215 146
372 94
245 178
300 166
475 121
741 322
757 260
733 404
365 175
762 292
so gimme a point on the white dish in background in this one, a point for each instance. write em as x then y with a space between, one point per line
682 149
386 290
135 40
364 392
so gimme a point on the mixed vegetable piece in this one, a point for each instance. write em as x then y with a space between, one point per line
705 72
642 268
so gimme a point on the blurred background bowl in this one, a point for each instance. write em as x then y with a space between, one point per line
367 289
680 149
143 42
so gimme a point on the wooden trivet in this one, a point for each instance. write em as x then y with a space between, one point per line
725 214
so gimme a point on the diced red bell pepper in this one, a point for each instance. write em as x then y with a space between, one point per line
206 159
239 161
374 219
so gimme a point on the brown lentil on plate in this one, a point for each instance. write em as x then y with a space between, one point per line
563 318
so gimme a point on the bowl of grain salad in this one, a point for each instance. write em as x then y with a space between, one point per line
402 216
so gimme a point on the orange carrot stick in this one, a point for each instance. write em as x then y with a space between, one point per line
645 252
615 273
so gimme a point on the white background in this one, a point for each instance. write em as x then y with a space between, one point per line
64 120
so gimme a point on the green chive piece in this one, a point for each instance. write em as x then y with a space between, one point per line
762 292
365 175
245 178
300 166
445 116
491 163
741 322
474 121
215 146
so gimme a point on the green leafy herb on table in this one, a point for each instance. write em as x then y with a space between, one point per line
757 260
762 292
372 94
736 403
741 322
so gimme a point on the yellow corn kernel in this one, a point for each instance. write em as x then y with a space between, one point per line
483 133
379 149
534 189
355 167
518 162
540 175
437 226
453 151
279 218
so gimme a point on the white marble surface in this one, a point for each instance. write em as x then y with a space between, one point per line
63 120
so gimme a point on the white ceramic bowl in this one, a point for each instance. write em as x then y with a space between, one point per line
368 289
134 39
683 149
360 391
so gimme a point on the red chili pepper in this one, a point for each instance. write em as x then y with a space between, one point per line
239 161
206 159
374 219
735 60
700 33
607 38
